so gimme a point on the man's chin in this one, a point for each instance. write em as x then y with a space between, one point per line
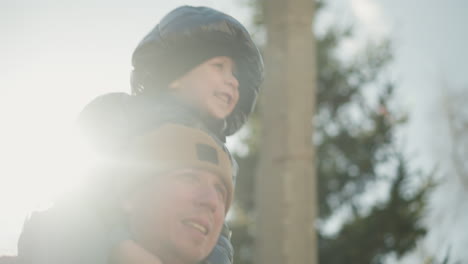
190 253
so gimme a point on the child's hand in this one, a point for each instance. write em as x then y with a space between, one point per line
129 252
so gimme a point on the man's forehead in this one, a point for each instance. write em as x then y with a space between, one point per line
195 171
199 172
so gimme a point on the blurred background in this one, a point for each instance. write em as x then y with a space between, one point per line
391 121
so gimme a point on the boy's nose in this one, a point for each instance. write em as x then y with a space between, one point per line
231 80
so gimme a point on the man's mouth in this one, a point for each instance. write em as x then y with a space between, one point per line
198 226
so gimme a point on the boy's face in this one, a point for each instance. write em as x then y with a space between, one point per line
211 86
178 216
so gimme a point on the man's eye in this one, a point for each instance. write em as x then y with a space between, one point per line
221 191
189 177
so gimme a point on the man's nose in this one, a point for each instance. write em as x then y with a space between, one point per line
208 197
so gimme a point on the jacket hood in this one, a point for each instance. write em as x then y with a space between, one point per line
185 38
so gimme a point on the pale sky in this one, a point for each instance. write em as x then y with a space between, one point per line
57 55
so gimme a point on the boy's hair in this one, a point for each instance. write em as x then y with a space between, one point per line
185 38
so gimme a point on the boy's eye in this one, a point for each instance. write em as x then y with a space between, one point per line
235 73
219 65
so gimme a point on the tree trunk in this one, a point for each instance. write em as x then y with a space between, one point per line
286 182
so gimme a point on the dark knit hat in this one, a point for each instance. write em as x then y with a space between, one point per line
185 38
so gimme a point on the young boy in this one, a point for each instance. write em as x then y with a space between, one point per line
183 55
197 67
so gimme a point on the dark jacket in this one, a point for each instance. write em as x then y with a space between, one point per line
68 233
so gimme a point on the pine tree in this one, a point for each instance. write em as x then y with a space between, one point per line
356 154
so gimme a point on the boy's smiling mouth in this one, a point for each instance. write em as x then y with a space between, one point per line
225 97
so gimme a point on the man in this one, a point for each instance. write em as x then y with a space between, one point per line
178 213
161 198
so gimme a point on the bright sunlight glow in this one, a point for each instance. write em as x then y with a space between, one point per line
57 58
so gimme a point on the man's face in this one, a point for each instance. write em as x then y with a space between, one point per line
178 216
211 86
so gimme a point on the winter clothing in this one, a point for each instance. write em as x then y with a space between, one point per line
76 235
70 232
86 230
185 38
133 114
100 119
